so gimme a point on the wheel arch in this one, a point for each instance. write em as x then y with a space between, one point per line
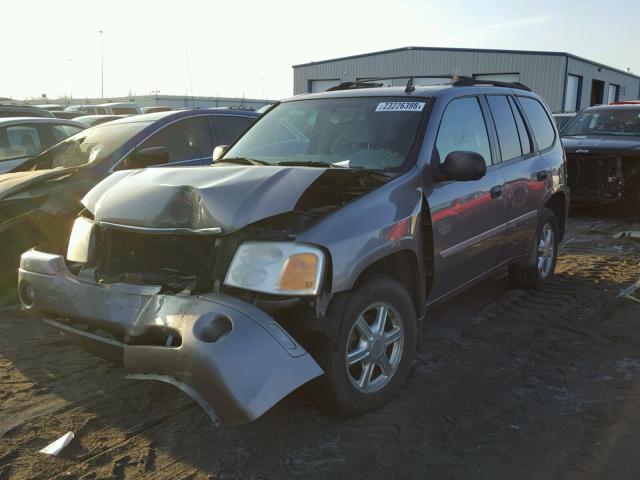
402 266
557 203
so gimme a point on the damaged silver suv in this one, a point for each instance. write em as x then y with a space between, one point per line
313 246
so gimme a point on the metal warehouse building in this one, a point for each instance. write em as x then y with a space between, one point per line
567 82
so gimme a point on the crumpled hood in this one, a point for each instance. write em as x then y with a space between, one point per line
11 183
199 197
602 144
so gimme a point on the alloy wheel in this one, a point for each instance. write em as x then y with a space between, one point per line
546 250
374 347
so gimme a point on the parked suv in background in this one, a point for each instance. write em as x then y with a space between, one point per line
314 245
24 111
118 108
603 151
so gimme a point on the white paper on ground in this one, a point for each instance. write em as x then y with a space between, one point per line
57 446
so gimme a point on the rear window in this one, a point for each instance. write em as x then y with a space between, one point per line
540 122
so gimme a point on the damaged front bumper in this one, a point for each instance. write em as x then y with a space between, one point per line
229 356
595 178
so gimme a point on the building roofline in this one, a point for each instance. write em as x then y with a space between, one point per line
475 50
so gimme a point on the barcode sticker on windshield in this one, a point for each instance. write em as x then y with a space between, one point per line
400 107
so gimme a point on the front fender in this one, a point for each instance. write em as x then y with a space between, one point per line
381 223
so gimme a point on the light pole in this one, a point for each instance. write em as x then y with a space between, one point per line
102 65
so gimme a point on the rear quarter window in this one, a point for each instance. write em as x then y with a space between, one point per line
540 122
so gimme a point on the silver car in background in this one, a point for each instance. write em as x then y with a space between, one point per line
24 137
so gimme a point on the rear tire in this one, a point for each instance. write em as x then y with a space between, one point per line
374 349
542 260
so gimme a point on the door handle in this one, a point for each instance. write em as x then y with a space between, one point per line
541 176
496 191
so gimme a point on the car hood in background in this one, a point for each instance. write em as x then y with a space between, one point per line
202 197
15 182
619 145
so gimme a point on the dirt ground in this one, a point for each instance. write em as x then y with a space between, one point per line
509 384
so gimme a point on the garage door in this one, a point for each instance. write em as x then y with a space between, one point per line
322 85
499 77
572 95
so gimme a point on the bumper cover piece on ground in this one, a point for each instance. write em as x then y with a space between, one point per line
231 357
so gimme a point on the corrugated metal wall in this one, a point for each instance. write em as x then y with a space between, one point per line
629 86
544 73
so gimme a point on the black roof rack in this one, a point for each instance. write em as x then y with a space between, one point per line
464 81
456 81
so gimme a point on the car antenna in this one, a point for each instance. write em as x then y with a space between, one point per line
410 88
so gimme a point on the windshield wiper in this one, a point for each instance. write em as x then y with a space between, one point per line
302 163
241 161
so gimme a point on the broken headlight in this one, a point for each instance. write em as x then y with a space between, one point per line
81 241
281 268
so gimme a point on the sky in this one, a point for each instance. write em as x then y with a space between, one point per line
245 47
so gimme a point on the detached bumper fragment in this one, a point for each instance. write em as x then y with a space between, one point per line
229 356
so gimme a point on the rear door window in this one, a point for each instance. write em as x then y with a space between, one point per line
463 128
505 123
18 141
525 141
229 127
540 122
186 139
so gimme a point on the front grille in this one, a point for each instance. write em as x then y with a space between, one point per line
595 176
152 258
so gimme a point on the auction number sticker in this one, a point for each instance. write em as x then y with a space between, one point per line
400 107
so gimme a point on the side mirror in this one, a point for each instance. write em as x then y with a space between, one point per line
218 152
147 157
463 166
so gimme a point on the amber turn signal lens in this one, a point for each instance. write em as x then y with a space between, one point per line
299 272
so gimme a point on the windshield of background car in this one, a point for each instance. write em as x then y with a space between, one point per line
89 146
614 121
368 133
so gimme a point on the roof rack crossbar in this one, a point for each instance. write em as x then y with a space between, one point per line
353 85
464 81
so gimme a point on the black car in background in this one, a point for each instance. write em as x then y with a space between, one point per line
602 144
40 200
562 119
66 115
24 111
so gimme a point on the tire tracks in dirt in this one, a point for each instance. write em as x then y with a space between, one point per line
509 384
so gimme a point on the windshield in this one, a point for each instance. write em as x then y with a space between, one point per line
368 133
89 146
614 121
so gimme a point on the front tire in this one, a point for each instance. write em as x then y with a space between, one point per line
543 258
375 348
